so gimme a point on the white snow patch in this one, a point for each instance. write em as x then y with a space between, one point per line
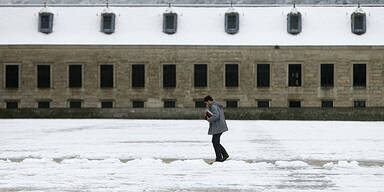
36 160
342 164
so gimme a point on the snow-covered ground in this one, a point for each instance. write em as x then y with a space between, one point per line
172 155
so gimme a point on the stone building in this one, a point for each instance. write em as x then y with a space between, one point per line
156 57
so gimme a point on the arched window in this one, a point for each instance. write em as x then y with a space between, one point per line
45 22
231 22
294 22
170 22
108 23
358 22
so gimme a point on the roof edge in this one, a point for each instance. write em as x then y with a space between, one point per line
192 5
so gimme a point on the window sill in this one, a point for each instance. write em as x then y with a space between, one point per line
359 87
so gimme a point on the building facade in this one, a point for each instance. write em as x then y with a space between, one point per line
65 69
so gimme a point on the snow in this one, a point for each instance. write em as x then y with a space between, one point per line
196 26
173 155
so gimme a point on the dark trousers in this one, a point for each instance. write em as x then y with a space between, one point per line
219 149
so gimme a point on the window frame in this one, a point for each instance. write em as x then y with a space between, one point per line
37 76
113 23
132 82
194 76
354 30
238 75
289 24
173 30
75 100
232 100
295 100
269 75
234 30
69 76
163 76
333 76
18 74
327 100
50 27
45 101
6 101
105 101
263 100
113 78
169 100
135 101
199 100
355 85
359 100
301 74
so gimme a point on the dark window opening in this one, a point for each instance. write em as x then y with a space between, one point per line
231 23
359 104
327 75
199 104
74 104
359 75
327 104
263 104
138 76
138 104
12 105
169 75
200 76
106 76
232 104
294 104
169 23
75 76
294 23
43 76
231 75
108 23
358 23
169 104
106 104
12 76
45 22
263 74
43 104
294 75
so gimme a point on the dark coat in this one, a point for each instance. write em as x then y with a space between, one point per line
217 122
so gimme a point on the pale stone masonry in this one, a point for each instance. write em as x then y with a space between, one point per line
247 57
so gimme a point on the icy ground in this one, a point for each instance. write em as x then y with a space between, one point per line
172 155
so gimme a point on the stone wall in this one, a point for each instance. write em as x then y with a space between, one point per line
122 57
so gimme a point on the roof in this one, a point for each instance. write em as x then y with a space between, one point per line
259 26
192 1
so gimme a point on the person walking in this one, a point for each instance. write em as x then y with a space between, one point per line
217 126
